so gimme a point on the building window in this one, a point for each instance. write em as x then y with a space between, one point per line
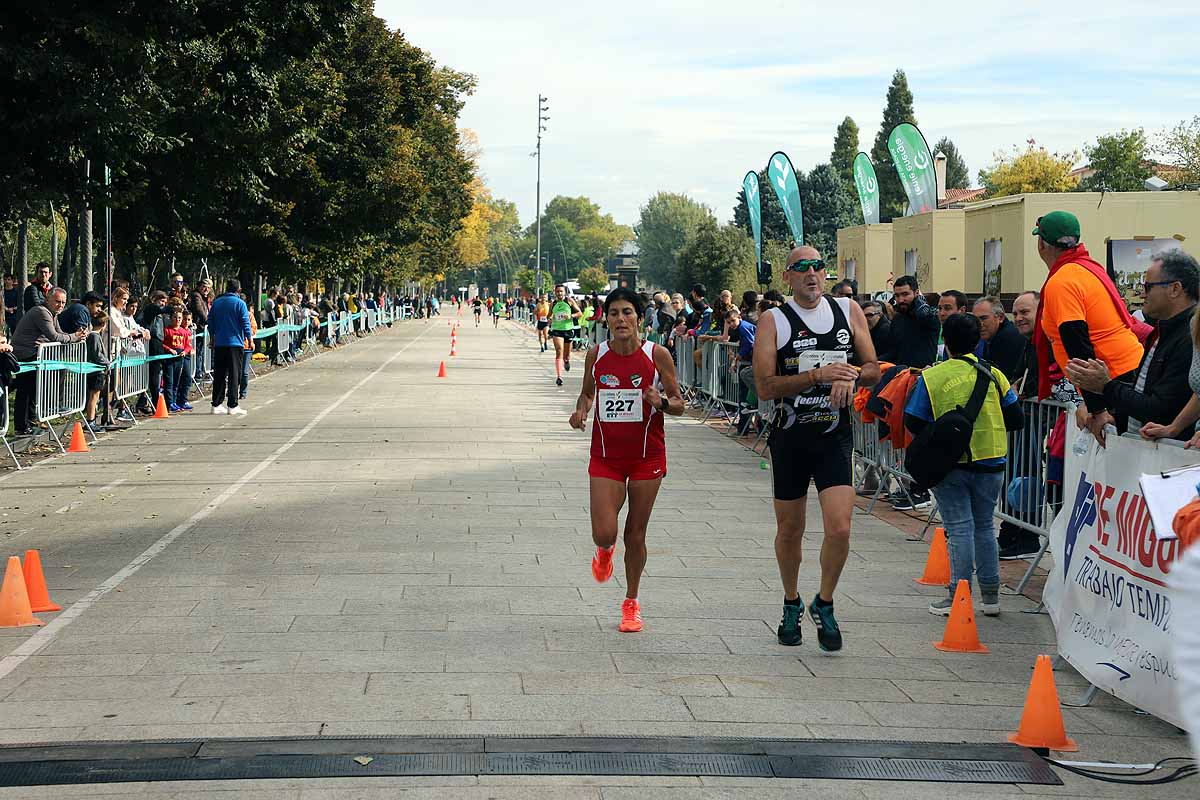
851 268
991 267
910 262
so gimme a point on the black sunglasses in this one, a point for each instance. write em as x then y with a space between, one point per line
805 264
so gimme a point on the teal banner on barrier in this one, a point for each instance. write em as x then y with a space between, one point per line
868 188
782 176
914 164
754 208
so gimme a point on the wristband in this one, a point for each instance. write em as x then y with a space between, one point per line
665 404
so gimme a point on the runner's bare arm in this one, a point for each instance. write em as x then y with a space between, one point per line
587 392
770 385
666 375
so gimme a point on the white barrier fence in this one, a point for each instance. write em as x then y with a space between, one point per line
61 383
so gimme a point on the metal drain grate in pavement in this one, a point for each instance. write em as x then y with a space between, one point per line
319 757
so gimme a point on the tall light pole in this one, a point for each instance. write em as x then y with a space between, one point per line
542 108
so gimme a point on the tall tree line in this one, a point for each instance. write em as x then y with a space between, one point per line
296 138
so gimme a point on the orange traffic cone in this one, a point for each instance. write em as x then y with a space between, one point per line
960 635
78 440
452 349
35 584
160 411
937 563
1041 721
441 369
14 599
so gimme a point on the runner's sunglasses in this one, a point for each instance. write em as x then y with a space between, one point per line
805 264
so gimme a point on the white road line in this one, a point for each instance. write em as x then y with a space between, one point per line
178 450
112 485
68 507
46 635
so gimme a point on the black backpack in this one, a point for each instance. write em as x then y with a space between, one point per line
941 444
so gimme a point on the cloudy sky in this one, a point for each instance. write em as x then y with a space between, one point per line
686 96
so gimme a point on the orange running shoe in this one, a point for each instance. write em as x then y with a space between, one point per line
631 616
602 564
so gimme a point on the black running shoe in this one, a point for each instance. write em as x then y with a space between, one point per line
558 381
829 635
789 627
567 365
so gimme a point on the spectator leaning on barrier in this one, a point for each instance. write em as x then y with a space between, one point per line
38 325
97 354
229 327
967 496
78 316
155 321
915 326
1161 389
1004 347
35 292
1081 314
881 328
1024 318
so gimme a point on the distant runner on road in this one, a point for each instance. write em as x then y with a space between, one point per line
542 312
497 311
803 355
622 378
478 304
563 315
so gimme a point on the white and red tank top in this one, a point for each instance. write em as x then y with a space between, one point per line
625 425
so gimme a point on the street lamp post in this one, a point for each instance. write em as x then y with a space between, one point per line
542 108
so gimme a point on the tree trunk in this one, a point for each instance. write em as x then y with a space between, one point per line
66 270
23 254
87 258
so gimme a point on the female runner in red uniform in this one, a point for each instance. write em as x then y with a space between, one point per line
632 384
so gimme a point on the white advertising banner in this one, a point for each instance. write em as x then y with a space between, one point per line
1107 590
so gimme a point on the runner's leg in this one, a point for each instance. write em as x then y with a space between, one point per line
837 504
607 497
789 543
558 356
642 495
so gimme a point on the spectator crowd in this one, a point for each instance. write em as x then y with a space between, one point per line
184 334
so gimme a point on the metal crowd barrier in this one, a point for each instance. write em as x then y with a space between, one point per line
4 425
131 372
61 383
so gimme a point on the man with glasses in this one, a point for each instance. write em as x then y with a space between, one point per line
803 355
1081 316
1003 344
1160 390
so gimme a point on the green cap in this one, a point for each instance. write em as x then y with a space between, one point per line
1058 228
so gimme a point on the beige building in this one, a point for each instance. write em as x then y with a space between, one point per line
930 246
864 254
1121 229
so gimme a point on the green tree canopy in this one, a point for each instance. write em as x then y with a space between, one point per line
1121 162
593 280
666 222
1180 146
827 205
957 174
845 148
715 255
899 108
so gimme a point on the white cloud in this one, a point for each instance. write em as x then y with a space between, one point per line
649 96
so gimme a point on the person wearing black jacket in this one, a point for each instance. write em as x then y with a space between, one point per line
35 292
881 328
1160 390
1004 346
915 326
154 321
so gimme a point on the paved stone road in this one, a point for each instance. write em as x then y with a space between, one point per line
376 551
